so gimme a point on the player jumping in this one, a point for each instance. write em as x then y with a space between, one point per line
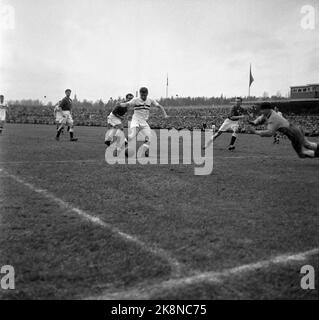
231 123
275 122
3 111
277 135
66 107
115 126
142 107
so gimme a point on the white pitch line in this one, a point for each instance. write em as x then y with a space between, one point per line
94 161
174 264
206 277
53 161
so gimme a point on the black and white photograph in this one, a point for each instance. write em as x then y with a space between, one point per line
159 150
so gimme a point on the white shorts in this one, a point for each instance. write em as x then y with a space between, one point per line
138 122
2 115
59 118
229 125
113 120
67 117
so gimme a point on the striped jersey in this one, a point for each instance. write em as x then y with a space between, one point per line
3 106
142 108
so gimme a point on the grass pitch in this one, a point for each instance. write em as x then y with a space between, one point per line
161 225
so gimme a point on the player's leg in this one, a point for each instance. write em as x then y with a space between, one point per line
310 145
135 123
303 147
276 138
233 139
213 138
70 123
2 119
113 123
110 132
60 128
224 127
147 133
121 140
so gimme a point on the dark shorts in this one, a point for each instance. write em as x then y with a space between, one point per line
296 136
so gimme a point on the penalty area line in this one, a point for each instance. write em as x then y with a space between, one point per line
211 277
176 267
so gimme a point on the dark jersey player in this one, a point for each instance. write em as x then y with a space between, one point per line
231 123
115 125
66 107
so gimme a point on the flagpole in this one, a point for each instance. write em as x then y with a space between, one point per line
167 87
251 80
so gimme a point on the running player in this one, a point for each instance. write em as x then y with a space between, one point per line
231 123
275 122
66 107
3 111
142 107
115 125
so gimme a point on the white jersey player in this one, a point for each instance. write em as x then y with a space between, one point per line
277 135
3 112
142 108
275 122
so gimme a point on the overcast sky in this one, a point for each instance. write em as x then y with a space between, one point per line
104 48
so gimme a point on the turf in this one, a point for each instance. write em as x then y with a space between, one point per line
259 202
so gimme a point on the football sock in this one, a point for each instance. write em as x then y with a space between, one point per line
71 135
58 133
232 141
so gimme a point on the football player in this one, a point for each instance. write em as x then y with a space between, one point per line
58 115
277 135
275 122
66 107
3 111
115 126
141 113
231 123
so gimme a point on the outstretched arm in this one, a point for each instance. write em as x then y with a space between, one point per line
125 104
259 120
163 110
235 118
269 132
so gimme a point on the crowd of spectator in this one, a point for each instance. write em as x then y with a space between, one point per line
180 117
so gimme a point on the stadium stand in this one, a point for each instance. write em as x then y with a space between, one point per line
180 117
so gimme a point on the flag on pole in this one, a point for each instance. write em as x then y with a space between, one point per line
251 78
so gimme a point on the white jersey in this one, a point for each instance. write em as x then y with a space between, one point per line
273 122
142 108
3 110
